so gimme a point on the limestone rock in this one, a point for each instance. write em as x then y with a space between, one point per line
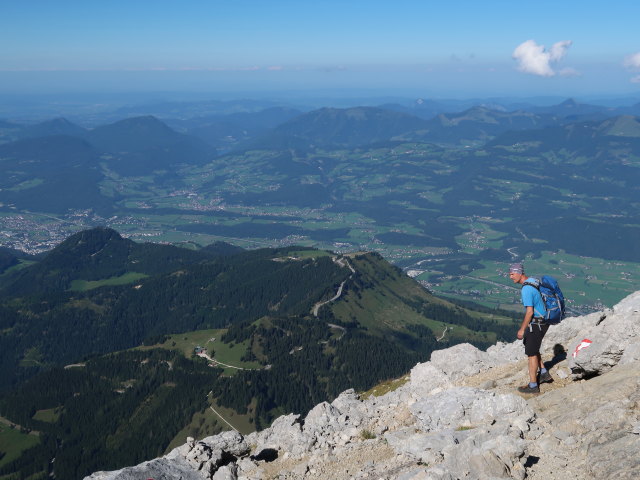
419 474
628 306
631 354
226 472
505 352
230 442
466 407
426 378
425 447
599 415
600 347
461 360
284 434
158 469
321 419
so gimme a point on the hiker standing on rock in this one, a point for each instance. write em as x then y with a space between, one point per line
532 330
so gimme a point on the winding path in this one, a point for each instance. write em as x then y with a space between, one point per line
222 418
343 262
213 360
219 415
443 334
317 306
338 327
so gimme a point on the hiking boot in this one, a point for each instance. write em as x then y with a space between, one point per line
528 389
545 378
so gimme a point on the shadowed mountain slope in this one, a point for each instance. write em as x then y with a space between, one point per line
229 130
582 138
51 174
478 124
10 257
57 126
570 108
349 127
144 144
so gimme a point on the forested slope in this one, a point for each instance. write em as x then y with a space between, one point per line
98 293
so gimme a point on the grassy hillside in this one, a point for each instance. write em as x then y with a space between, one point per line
383 300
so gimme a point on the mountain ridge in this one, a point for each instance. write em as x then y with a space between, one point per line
349 127
56 126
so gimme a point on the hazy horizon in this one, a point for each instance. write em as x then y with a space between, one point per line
461 49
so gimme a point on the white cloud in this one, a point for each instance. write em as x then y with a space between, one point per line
632 61
536 60
559 50
569 72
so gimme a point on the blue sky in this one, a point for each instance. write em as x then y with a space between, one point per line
458 49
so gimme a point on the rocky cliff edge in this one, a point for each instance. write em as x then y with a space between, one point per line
457 416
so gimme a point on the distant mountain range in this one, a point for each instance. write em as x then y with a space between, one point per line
478 184
348 127
228 125
590 139
225 132
353 127
476 125
58 166
572 111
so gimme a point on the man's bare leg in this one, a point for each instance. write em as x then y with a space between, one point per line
534 362
540 364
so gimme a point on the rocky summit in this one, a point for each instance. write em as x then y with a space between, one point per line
457 416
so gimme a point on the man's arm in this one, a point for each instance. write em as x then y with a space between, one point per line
528 315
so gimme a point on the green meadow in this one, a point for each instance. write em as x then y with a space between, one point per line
125 279
228 353
50 415
32 358
13 443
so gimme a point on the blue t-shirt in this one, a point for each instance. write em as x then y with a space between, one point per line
531 298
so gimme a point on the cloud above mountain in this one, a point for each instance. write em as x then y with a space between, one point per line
632 62
537 60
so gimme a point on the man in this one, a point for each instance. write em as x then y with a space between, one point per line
532 330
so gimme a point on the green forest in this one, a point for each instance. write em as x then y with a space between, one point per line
70 373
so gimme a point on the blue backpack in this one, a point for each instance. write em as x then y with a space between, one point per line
552 297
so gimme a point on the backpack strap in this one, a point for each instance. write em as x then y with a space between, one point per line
535 283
